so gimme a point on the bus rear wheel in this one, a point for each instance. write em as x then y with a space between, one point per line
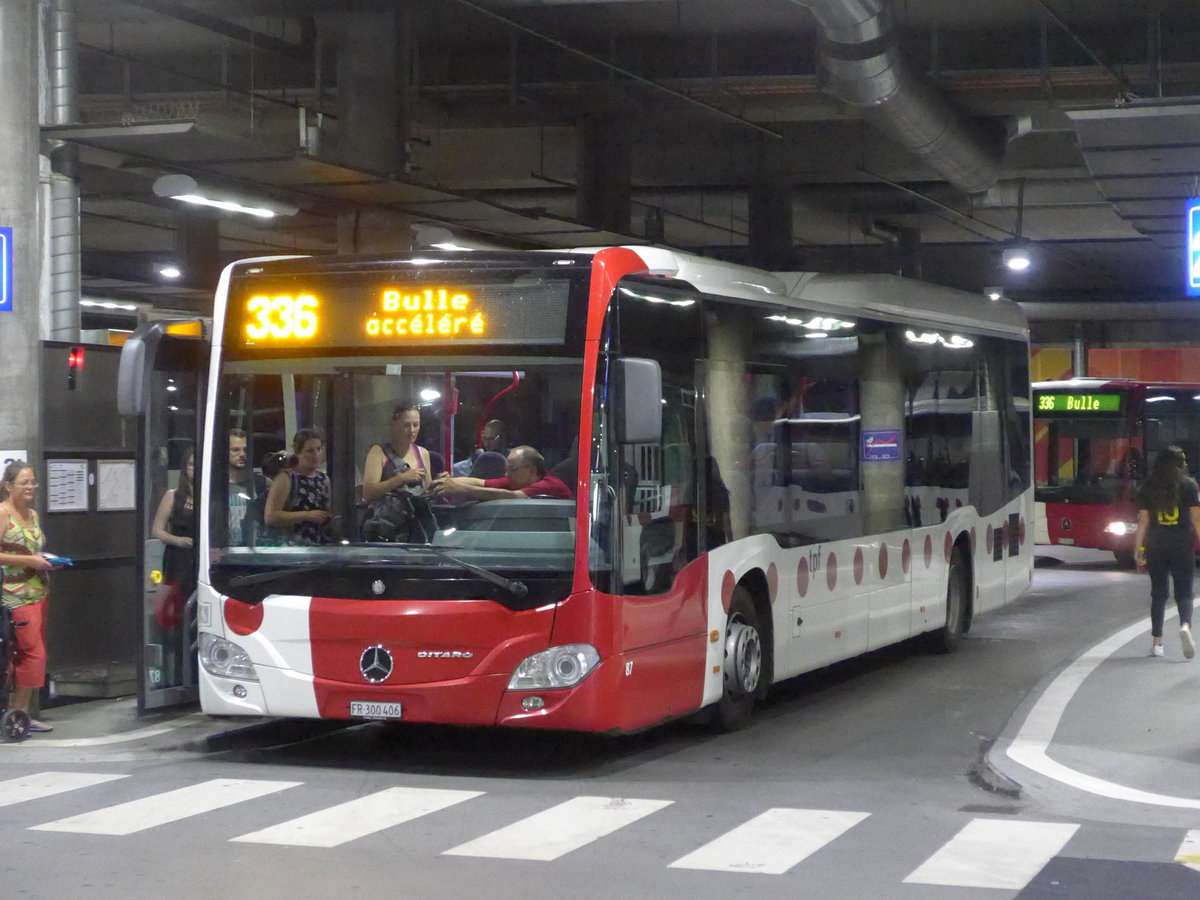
958 587
743 665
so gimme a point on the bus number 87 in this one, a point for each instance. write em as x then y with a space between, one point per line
282 317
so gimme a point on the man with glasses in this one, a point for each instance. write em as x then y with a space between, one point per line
526 477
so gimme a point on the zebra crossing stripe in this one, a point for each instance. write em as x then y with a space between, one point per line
559 830
1189 850
990 853
773 842
47 784
358 818
149 812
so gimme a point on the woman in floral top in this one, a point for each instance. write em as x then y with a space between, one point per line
298 502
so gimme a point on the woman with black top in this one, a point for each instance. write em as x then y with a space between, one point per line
395 475
299 498
1168 521
174 526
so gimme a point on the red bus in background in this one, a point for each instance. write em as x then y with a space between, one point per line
1095 438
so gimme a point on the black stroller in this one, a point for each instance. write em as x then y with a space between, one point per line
14 723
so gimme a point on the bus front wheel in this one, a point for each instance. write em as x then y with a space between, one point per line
743 665
958 588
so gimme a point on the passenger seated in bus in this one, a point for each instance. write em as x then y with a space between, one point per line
491 440
395 476
298 502
526 477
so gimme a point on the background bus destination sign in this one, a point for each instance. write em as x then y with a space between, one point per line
1080 403
383 313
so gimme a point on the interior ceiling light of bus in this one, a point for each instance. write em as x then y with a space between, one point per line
816 323
650 298
954 342
1158 399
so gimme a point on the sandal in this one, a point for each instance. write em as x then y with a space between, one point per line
36 727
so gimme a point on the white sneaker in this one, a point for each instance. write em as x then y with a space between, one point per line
1156 650
1189 642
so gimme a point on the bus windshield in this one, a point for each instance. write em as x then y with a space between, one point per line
1086 460
353 407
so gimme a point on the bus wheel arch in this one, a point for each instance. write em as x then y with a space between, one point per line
748 654
960 606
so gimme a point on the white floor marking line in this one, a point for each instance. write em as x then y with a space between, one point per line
122 737
1189 850
990 853
149 812
560 829
771 843
1030 746
47 784
354 819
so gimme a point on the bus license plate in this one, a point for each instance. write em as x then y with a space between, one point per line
365 709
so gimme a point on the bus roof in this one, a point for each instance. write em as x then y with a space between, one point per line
1113 384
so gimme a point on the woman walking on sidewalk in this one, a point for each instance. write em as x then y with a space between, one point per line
25 587
1168 521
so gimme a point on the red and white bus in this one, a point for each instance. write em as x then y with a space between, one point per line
772 472
1095 438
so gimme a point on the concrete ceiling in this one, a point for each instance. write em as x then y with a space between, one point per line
1091 109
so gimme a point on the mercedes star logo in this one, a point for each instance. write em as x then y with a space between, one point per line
375 664
377 587
1066 524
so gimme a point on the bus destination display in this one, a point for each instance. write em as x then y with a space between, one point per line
391 315
1078 403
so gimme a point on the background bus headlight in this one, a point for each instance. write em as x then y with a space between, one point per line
225 658
1120 529
558 667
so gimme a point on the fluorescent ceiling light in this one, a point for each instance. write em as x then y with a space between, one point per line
186 189
993 293
1016 259
170 271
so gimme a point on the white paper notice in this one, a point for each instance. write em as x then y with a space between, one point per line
68 488
114 484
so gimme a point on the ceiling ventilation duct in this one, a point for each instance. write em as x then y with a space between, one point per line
867 70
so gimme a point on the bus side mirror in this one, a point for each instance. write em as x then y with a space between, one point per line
637 401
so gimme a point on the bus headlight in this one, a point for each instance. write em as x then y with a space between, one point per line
225 658
558 667
1120 529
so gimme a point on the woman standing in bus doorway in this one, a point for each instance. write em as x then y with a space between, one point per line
25 584
1168 521
174 526
299 497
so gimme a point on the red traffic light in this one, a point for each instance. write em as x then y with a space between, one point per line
75 359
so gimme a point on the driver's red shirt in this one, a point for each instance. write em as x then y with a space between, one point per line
546 486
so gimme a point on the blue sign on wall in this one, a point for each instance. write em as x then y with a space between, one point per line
1193 247
6 269
880 445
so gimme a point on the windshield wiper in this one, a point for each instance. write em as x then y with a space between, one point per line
238 581
516 588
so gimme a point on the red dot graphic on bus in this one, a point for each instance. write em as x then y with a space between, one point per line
990 537
883 561
243 618
972 540
773 581
858 565
906 556
928 550
802 576
727 585
831 571
958 504
948 546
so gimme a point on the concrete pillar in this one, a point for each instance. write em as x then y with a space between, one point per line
198 245
771 236
603 165
374 231
20 360
373 61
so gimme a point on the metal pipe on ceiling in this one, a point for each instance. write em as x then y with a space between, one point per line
61 237
867 70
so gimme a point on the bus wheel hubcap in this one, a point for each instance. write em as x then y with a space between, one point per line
743 659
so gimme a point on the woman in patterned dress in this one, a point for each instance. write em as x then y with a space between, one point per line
298 502
25 584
